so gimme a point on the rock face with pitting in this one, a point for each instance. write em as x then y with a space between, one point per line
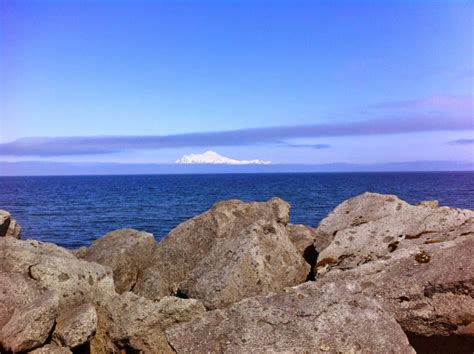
435 298
334 318
16 291
5 218
131 322
75 281
8 226
260 260
371 226
30 326
307 243
76 326
303 237
230 252
125 251
51 349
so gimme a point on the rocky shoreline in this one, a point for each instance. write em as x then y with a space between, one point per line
377 275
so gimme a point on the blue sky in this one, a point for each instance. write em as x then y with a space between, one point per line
287 81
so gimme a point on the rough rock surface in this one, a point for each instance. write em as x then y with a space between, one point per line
16 291
5 218
51 349
8 226
260 260
307 243
128 321
357 211
30 326
302 236
250 239
371 226
306 318
75 281
435 298
126 251
75 326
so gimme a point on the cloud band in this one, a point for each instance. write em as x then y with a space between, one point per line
110 144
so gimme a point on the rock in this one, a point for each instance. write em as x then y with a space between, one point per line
16 291
335 318
76 281
8 226
303 237
230 252
76 326
429 299
356 211
306 242
131 322
259 260
14 230
371 226
433 302
5 219
126 251
429 203
79 252
175 310
30 326
51 349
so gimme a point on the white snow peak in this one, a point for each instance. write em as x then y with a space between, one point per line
212 157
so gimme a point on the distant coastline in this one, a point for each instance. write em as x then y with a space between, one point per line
40 168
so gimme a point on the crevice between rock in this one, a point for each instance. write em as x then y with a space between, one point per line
438 344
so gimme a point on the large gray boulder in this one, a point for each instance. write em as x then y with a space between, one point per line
125 251
30 325
75 281
75 326
8 226
334 318
371 226
16 291
259 260
230 252
359 210
130 322
429 296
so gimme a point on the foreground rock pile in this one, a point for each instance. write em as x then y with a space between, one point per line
377 275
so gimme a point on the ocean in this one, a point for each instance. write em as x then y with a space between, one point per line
73 211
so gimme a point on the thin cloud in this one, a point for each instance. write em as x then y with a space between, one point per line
112 144
437 113
309 146
442 104
461 142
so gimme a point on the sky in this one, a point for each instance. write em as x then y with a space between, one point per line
304 82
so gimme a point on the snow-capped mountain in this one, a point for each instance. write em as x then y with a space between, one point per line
212 157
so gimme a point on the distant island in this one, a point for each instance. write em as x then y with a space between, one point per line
212 157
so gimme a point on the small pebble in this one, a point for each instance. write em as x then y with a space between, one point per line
422 257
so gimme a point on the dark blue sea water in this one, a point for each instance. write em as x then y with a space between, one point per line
74 211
